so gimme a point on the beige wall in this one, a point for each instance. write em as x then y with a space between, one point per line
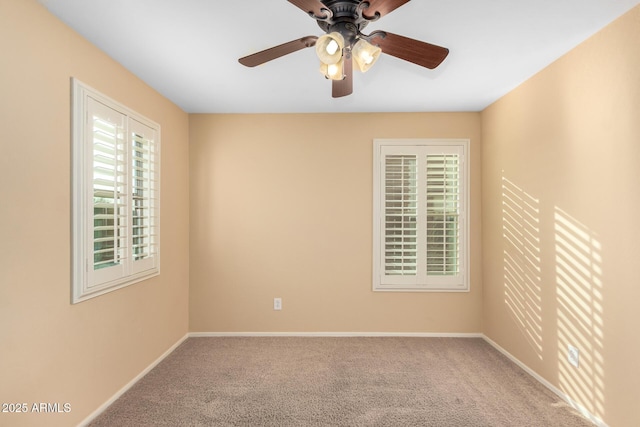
281 206
561 229
277 207
52 351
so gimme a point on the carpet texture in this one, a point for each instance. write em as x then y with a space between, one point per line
291 381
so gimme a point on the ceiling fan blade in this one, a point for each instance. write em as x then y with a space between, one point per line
344 87
278 51
379 8
313 7
420 53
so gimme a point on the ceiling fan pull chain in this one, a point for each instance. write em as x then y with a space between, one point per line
348 69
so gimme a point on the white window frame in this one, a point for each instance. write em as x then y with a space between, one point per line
425 283
136 137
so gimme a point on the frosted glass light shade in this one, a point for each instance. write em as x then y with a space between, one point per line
333 71
329 48
365 54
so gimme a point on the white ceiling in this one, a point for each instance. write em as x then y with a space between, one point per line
188 50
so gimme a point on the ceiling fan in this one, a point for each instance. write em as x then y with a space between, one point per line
344 44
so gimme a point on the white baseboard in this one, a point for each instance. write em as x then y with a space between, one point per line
336 334
130 384
597 421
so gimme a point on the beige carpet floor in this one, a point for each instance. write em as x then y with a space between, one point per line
295 381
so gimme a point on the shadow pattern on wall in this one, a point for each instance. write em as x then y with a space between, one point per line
521 260
562 303
579 281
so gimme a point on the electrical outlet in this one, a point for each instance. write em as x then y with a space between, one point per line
573 356
277 303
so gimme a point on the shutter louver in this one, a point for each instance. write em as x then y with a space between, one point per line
400 211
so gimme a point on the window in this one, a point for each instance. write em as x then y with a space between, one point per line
116 189
420 215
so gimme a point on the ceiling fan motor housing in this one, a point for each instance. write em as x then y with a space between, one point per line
344 17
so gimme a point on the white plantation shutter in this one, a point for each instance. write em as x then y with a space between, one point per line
144 182
443 200
419 215
108 193
116 195
443 216
400 210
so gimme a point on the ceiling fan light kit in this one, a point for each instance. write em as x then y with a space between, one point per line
344 43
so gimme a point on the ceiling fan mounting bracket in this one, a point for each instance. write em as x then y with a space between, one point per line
369 38
309 41
328 14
